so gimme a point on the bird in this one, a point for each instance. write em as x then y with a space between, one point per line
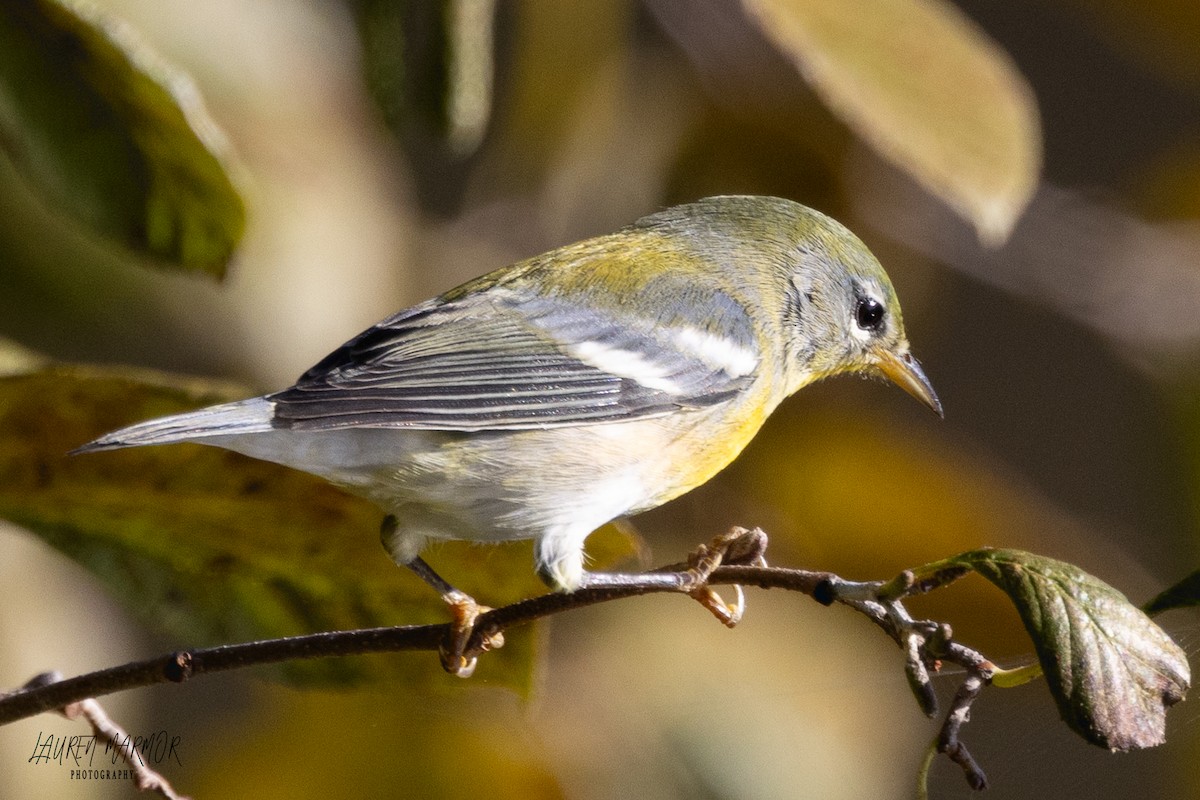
584 385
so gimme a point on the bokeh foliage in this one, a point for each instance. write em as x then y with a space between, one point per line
114 136
592 115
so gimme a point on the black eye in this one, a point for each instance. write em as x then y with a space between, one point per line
869 314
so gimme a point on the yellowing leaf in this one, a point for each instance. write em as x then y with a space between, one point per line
927 89
113 136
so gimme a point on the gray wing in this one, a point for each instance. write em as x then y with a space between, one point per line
497 361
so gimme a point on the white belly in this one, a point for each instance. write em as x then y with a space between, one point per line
484 487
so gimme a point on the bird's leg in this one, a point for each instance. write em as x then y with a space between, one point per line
464 610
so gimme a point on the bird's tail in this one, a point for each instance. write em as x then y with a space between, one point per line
243 416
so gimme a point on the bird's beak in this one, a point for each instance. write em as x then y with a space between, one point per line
904 371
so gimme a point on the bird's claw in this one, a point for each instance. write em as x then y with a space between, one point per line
735 546
728 615
453 651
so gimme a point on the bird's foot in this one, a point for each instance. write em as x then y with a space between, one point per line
735 546
464 612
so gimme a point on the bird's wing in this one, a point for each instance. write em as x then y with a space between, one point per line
502 361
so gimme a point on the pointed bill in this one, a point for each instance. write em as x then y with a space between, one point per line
905 371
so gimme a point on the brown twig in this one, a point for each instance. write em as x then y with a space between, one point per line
926 644
113 736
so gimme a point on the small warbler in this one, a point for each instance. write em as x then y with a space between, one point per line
595 381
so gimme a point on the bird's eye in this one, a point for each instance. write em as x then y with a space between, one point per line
869 314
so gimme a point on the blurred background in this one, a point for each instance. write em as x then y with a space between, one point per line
1066 358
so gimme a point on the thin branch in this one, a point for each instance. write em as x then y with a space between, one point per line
118 741
926 644
180 666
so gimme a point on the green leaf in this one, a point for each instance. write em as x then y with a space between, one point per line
431 63
927 89
211 547
1184 594
109 133
429 68
1112 671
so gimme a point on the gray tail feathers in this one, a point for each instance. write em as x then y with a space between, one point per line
243 416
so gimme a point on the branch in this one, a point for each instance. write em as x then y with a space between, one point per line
180 666
113 736
926 644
